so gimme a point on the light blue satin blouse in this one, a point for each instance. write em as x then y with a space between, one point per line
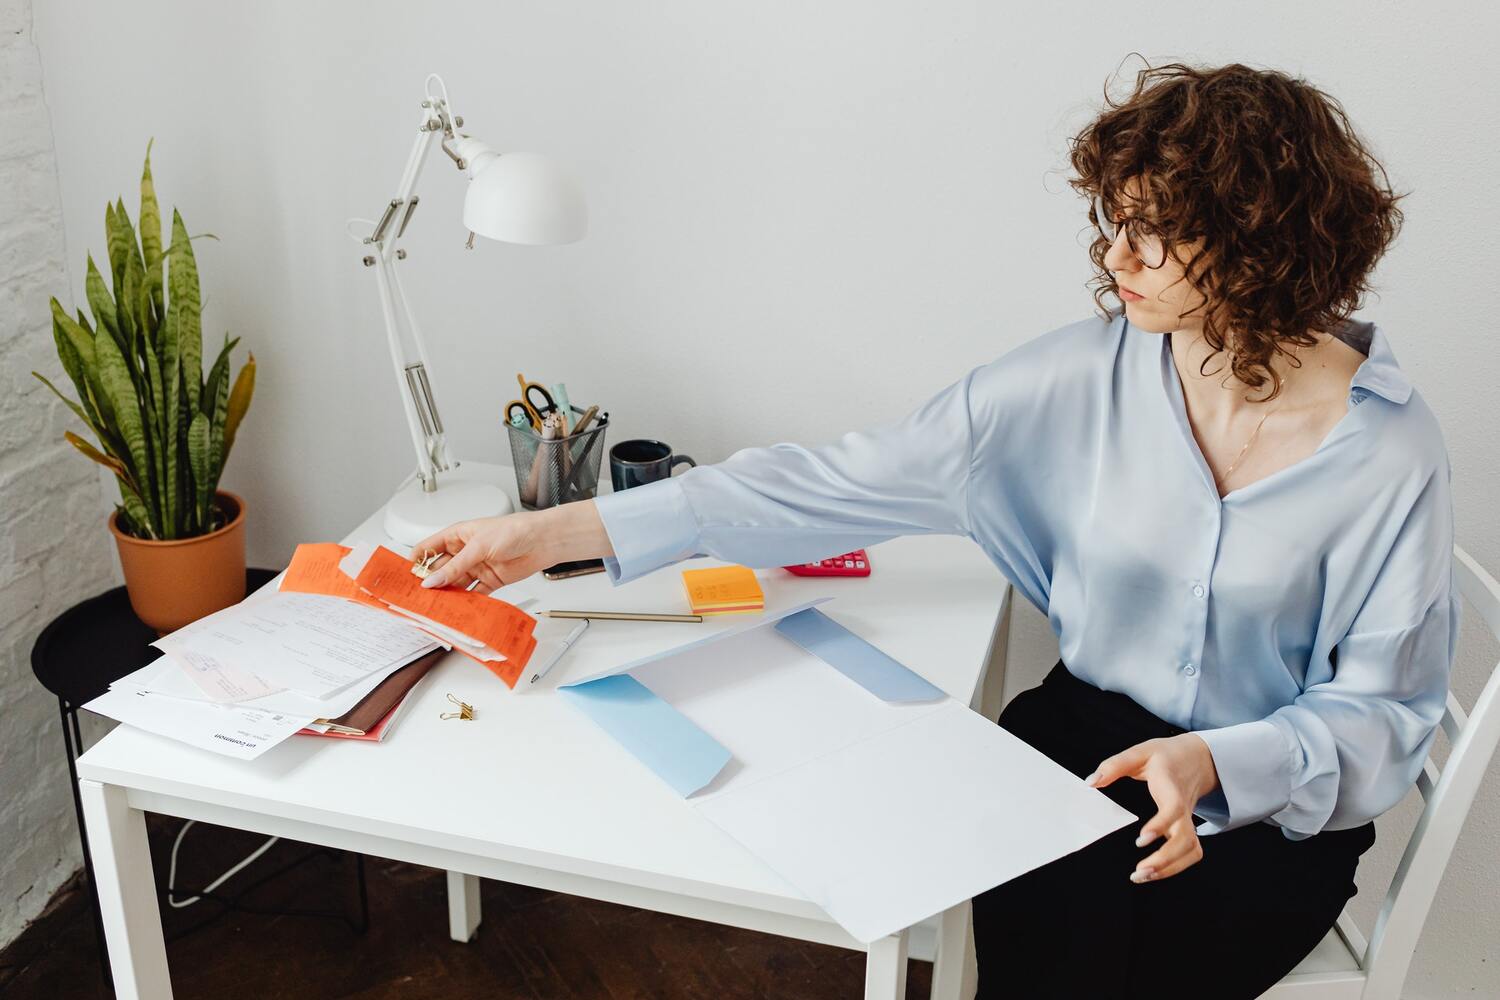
1303 625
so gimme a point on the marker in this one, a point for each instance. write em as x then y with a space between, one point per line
560 396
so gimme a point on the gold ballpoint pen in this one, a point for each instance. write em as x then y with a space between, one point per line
622 616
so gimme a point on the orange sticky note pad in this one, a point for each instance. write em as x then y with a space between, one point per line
722 590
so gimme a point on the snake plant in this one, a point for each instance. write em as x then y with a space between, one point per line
163 428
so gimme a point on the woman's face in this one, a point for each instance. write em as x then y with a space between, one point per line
1155 298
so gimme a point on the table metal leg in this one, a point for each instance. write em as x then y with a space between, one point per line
73 744
463 906
885 968
127 893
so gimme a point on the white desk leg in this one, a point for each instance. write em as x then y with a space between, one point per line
463 906
127 893
952 976
885 969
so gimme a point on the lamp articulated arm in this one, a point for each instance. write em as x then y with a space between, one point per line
520 198
408 350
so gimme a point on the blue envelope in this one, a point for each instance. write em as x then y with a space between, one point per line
682 754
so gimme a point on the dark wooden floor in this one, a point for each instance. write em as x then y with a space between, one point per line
531 944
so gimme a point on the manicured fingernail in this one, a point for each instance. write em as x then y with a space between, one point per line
1091 779
1143 875
432 581
1144 839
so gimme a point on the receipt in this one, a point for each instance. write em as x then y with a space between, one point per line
221 683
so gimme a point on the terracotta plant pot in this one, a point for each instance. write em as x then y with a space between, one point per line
173 583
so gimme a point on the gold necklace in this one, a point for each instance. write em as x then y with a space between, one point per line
1219 480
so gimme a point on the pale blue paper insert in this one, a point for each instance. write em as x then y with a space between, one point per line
661 737
856 659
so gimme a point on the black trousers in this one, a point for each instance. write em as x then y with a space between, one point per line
1227 927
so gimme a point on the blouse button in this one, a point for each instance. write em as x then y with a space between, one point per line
1197 590
1189 669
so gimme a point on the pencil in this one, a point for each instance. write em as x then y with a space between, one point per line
585 420
623 616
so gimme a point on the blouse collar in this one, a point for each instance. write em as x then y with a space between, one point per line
1379 373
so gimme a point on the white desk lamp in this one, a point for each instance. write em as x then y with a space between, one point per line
512 197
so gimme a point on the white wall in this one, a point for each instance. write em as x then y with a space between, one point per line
53 548
806 217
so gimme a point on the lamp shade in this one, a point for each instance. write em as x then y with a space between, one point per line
521 198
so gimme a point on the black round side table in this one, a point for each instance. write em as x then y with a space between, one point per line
77 657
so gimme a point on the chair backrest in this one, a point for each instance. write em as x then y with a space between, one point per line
1448 795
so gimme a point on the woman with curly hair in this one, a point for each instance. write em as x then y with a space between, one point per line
1225 495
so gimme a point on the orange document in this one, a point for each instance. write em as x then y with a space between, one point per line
387 579
723 589
314 569
500 626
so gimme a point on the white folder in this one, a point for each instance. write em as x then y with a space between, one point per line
879 797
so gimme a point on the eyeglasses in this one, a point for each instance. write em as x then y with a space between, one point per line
1145 240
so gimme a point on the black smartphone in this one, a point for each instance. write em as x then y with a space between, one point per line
579 567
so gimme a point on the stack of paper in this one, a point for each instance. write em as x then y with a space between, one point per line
723 590
246 678
307 643
484 628
373 718
240 681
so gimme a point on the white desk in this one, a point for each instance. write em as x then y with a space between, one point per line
531 792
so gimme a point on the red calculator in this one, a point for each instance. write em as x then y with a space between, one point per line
854 563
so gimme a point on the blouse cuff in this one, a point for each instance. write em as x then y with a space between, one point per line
1255 775
648 526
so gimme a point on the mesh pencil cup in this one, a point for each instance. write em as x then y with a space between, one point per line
549 473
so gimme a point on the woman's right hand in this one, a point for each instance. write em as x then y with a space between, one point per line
500 550
493 550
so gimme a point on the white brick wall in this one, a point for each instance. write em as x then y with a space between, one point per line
54 549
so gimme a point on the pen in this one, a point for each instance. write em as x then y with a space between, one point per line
567 644
623 616
568 484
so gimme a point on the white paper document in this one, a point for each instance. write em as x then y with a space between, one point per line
309 643
231 730
883 812
165 677
220 683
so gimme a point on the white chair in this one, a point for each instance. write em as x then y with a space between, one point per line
1344 966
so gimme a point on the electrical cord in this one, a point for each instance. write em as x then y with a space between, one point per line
172 869
228 904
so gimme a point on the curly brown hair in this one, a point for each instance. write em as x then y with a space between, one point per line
1267 171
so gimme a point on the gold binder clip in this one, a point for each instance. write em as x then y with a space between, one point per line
465 710
423 567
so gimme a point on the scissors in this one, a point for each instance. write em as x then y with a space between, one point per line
528 404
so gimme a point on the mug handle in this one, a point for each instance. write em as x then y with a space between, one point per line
678 460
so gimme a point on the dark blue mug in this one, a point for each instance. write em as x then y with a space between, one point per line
636 463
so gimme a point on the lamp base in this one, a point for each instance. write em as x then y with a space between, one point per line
413 515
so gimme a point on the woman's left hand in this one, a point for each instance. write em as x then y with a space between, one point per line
1178 770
